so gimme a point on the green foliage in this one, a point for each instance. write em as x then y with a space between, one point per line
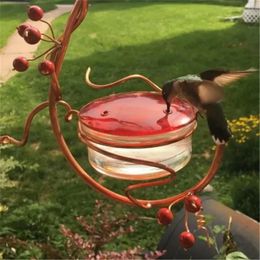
32 221
7 165
17 252
242 157
96 231
236 255
242 154
13 248
245 194
242 163
228 250
90 242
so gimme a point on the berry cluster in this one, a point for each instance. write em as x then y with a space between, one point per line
32 36
165 216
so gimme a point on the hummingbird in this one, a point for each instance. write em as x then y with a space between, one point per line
205 92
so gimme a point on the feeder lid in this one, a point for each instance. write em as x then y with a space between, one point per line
136 114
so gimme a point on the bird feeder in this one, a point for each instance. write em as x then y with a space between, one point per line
128 136
135 125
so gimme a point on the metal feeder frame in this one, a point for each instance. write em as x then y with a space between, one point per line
57 56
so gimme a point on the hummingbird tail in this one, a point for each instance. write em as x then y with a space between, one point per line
217 123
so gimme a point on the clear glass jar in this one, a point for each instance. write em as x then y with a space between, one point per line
135 125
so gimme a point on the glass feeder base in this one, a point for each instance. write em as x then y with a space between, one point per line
175 156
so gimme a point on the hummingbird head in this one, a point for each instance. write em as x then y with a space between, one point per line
169 91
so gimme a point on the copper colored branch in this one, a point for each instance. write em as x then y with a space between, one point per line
50 27
186 221
202 183
132 187
70 111
50 38
45 40
46 52
81 16
120 81
55 85
6 139
77 15
201 221
52 55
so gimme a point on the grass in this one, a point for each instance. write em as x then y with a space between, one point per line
219 2
12 15
160 41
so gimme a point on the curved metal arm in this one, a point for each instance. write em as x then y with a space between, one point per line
120 81
70 112
6 139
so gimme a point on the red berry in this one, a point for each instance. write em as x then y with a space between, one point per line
35 13
20 64
164 216
46 67
21 28
192 203
186 239
32 35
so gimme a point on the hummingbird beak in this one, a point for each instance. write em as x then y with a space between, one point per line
167 95
168 109
168 102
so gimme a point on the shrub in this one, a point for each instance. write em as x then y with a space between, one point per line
90 242
245 194
242 153
31 222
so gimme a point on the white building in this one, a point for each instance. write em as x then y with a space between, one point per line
252 11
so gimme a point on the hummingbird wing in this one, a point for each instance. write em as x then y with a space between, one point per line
199 93
225 77
212 74
209 92
217 123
